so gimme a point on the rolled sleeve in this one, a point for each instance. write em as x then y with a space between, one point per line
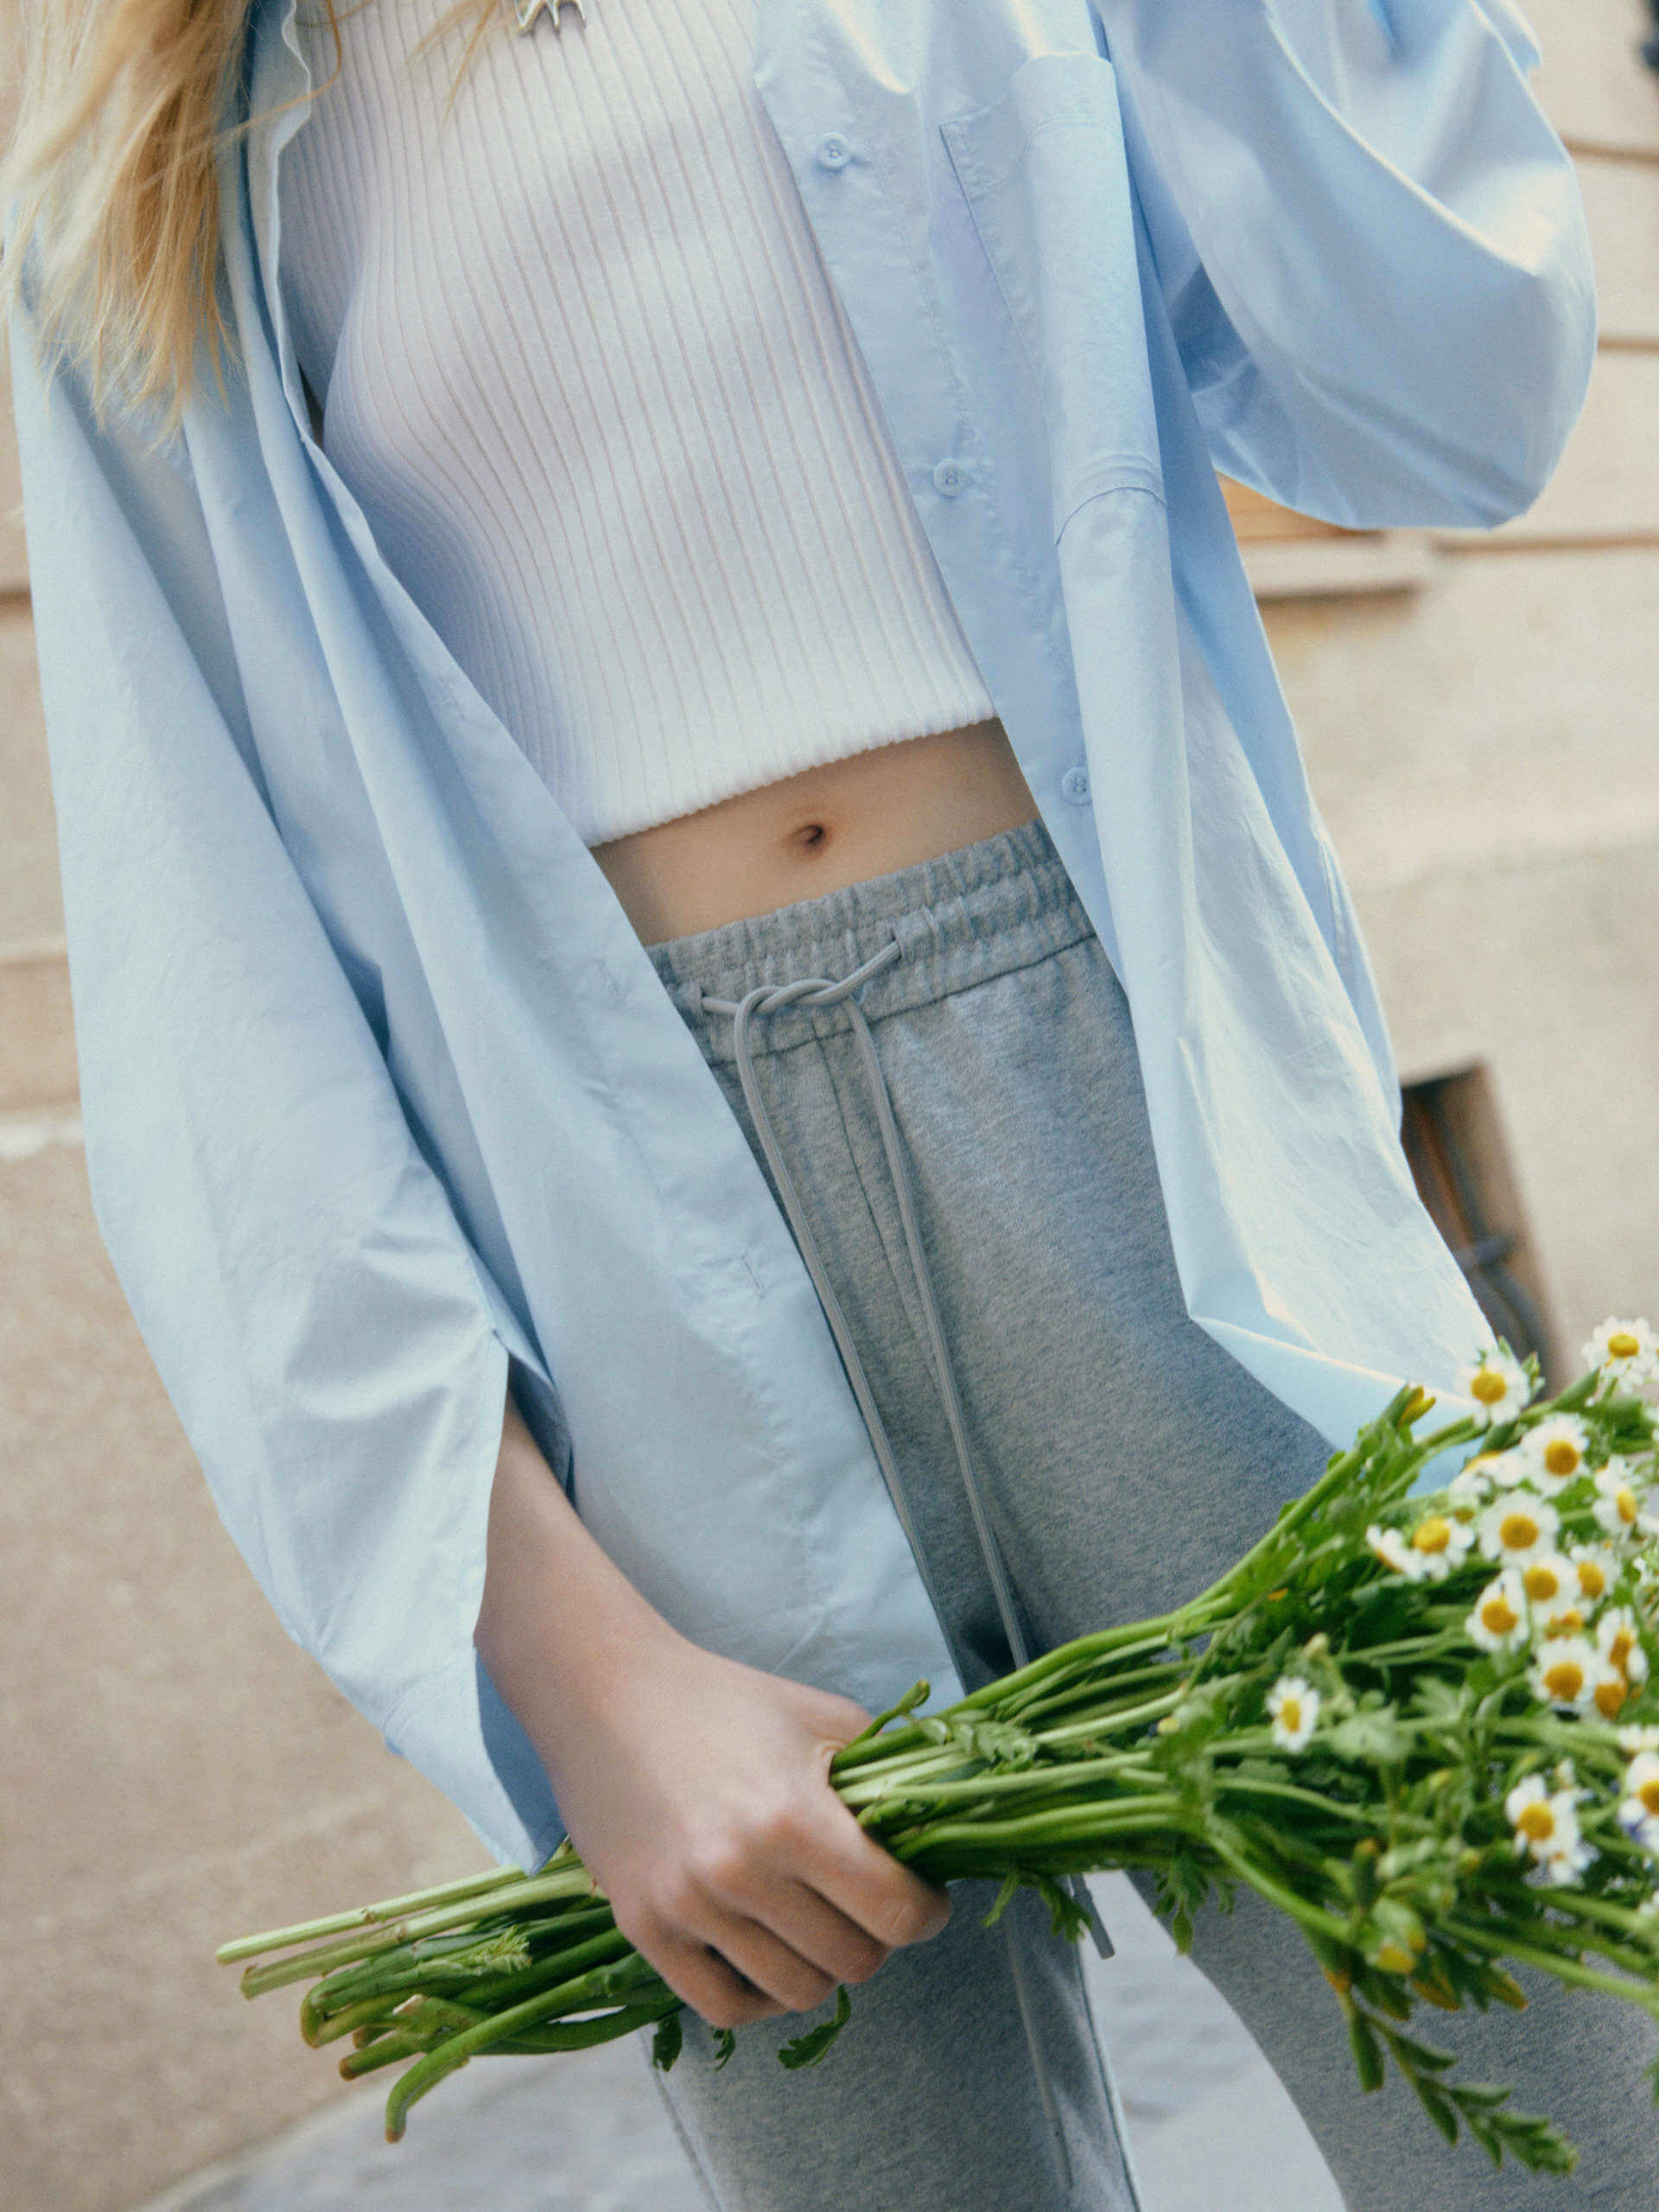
1372 245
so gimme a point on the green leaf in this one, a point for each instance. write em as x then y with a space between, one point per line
1369 2062
1375 1736
666 2043
1004 1898
725 2045
807 2050
1437 2105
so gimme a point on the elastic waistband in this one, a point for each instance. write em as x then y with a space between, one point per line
960 919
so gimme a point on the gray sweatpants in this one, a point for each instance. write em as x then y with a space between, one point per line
1127 1460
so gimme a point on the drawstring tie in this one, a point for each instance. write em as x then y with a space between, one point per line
771 998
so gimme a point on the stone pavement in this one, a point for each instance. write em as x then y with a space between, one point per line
588 2134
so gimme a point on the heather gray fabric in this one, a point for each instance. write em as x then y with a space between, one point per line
1125 1461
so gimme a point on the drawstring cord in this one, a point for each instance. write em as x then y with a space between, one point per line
771 998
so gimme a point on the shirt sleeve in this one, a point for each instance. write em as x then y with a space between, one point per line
334 1345
1371 244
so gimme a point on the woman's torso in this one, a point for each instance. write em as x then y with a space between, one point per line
579 360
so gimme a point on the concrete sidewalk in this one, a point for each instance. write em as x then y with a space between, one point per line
589 2133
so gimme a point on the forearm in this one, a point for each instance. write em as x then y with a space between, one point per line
560 1625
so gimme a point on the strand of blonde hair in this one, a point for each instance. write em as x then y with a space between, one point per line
110 185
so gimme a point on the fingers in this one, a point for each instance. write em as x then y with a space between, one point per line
866 1884
709 1983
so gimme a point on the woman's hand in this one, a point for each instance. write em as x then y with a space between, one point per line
696 1790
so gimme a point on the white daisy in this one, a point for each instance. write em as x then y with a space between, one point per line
1622 1500
1547 1828
1638 1812
1498 1385
1517 1528
1632 1741
1441 1543
1294 1708
1597 1571
1627 1353
1555 1452
1396 1553
1550 1580
1567 1671
1499 1621
1618 1639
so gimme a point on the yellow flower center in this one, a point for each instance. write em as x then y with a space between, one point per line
1624 1501
1649 1795
1593 1578
1623 1345
1517 1532
1610 1697
1542 1582
1565 1624
1432 1536
1290 1715
1562 1458
1620 1648
1564 1680
1488 1386
1499 1617
1537 1822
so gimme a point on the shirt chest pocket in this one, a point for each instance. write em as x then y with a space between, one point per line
1043 172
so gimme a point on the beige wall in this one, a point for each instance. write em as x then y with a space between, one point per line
1484 747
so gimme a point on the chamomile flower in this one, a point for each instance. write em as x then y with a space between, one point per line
1547 1828
1567 1671
1396 1552
1550 1580
1638 1811
1627 1353
1618 1639
1518 1528
1294 1708
1498 1386
1441 1543
1474 1482
1622 1500
1596 1569
1633 1741
1499 1621
1555 1452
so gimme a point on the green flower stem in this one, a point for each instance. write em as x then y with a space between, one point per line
1250 1786
572 1881
1563 1968
983 1839
1301 1910
429 2070
307 1931
1070 1776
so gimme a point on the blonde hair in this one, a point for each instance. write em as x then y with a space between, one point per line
112 184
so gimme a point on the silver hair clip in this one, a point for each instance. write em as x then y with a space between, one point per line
525 12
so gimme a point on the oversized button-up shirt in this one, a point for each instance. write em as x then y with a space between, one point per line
384 1099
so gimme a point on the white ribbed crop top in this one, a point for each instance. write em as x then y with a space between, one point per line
582 368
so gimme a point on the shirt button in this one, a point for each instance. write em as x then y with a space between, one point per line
834 151
949 477
1074 785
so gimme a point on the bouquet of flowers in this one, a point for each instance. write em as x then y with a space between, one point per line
1420 1722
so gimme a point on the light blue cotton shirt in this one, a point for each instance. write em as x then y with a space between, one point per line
382 1092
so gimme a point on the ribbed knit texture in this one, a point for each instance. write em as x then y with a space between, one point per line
582 366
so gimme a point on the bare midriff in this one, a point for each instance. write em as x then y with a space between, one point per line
875 812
